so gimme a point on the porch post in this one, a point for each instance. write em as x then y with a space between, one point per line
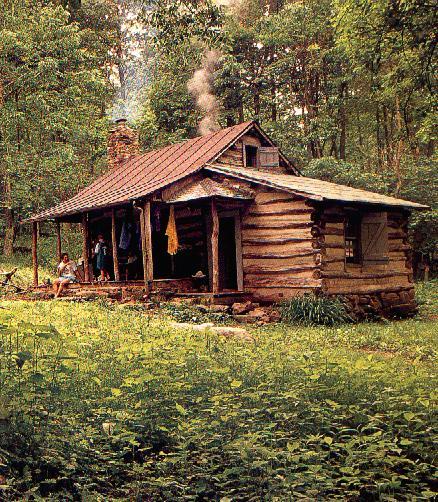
215 247
86 247
146 242
114 241
35 252
58 240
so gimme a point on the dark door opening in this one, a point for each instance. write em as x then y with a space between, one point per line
227 254
192 251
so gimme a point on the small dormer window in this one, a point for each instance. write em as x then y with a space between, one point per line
251 156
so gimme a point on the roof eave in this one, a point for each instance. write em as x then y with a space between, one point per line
265 183
408 206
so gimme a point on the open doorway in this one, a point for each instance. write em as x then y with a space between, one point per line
227 253
192 253
230 251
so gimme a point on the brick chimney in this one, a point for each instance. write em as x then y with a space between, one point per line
122 143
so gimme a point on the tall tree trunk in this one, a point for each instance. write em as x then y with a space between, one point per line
359 128
400 146
388 145
256 102
342 121
378 138
273 102
8 245
430 148
274 6
334 148
241 112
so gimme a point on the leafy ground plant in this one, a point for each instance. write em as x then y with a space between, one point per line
102 403
312 310
184 312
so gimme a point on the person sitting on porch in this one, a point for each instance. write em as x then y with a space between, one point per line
101 252
66 274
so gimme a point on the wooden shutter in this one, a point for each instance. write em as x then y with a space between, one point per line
374 238
268 156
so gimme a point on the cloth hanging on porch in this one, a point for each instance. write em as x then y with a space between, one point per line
172 235
157 222
125 236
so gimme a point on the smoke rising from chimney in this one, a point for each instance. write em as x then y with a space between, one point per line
200 87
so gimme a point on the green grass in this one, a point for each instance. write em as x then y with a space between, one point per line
105 403
47 259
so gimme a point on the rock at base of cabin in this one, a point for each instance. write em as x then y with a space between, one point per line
219 309
390 299
42 295
274 314
128 302
243 308
90 294
259 315
132 293
245 319
391 304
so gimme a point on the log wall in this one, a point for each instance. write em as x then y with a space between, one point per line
385 288
280 259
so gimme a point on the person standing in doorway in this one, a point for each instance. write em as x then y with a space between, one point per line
101 252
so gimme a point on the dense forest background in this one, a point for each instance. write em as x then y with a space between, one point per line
346 88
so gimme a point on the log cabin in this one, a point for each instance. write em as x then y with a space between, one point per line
248 225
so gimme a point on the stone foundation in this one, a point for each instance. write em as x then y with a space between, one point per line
399 303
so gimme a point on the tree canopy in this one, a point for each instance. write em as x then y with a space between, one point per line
346 87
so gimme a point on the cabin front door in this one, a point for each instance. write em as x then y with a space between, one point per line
230 252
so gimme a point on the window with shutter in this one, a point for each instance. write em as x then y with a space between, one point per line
352 238
268 156
374 238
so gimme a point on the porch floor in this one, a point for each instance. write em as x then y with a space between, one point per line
167 289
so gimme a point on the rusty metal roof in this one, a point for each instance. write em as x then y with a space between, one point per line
312 188
204 188
143 174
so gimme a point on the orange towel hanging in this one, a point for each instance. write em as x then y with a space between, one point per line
172 235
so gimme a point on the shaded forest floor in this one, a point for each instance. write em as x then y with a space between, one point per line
110 403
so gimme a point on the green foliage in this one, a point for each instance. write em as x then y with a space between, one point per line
184 312
426 295
312 310
47 258
105 404
53 88
328 80
165 121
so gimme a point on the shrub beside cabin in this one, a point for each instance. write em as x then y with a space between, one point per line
248 225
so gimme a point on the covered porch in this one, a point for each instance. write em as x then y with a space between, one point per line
208 259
